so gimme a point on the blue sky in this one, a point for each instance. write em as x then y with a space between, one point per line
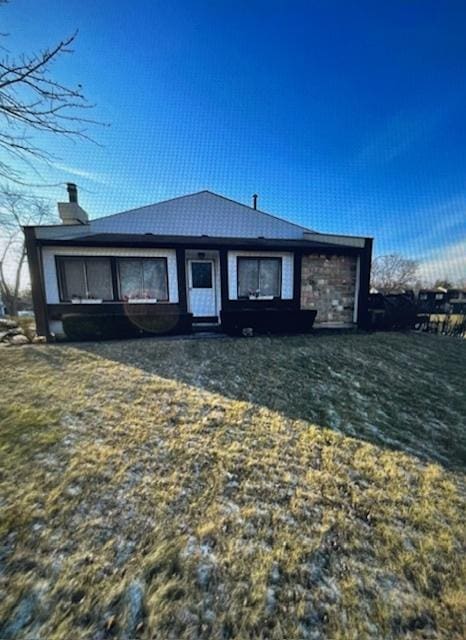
344 116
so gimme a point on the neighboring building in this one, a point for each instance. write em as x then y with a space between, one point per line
199 256
440 300
457 301
432 300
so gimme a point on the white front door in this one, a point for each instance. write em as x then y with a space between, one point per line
201 283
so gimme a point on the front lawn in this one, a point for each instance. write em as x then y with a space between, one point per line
270 488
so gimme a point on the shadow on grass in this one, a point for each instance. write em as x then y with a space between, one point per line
401 391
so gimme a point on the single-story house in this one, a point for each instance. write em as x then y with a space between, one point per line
196 260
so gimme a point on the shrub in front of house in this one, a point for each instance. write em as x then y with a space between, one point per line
82 327
78 326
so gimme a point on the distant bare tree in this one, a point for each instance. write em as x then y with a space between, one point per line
32 101
393 273
16 209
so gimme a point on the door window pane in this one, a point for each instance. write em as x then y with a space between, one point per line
201 275
269 277
99 279
74 285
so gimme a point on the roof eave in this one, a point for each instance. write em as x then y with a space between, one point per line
149 240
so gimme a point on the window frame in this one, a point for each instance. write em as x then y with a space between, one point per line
278 259
119 259
62 285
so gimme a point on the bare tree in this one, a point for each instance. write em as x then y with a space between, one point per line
32 101
16 210
393 273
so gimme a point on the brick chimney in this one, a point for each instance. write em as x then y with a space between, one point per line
70 212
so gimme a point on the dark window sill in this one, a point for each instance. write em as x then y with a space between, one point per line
109 302
259 299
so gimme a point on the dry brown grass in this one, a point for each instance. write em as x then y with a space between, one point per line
161 490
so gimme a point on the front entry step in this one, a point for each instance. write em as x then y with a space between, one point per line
199 327
205 320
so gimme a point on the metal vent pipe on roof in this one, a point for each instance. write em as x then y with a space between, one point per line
254 201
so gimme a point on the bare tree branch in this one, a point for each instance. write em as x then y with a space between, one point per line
32 101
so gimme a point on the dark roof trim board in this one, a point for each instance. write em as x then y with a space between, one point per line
149 240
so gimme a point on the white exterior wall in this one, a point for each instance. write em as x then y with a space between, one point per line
51 277
287 270
52 295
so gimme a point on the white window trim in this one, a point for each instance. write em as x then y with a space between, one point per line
51 276
287 270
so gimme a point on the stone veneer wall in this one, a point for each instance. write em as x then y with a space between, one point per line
328 284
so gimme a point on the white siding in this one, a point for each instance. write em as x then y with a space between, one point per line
287 271
51 276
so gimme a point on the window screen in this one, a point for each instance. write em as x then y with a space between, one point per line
85 278
146 278
248 277
269 277
130 273
155 279
74 279
99 279
259 277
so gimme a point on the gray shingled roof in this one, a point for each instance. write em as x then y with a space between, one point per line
203 213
